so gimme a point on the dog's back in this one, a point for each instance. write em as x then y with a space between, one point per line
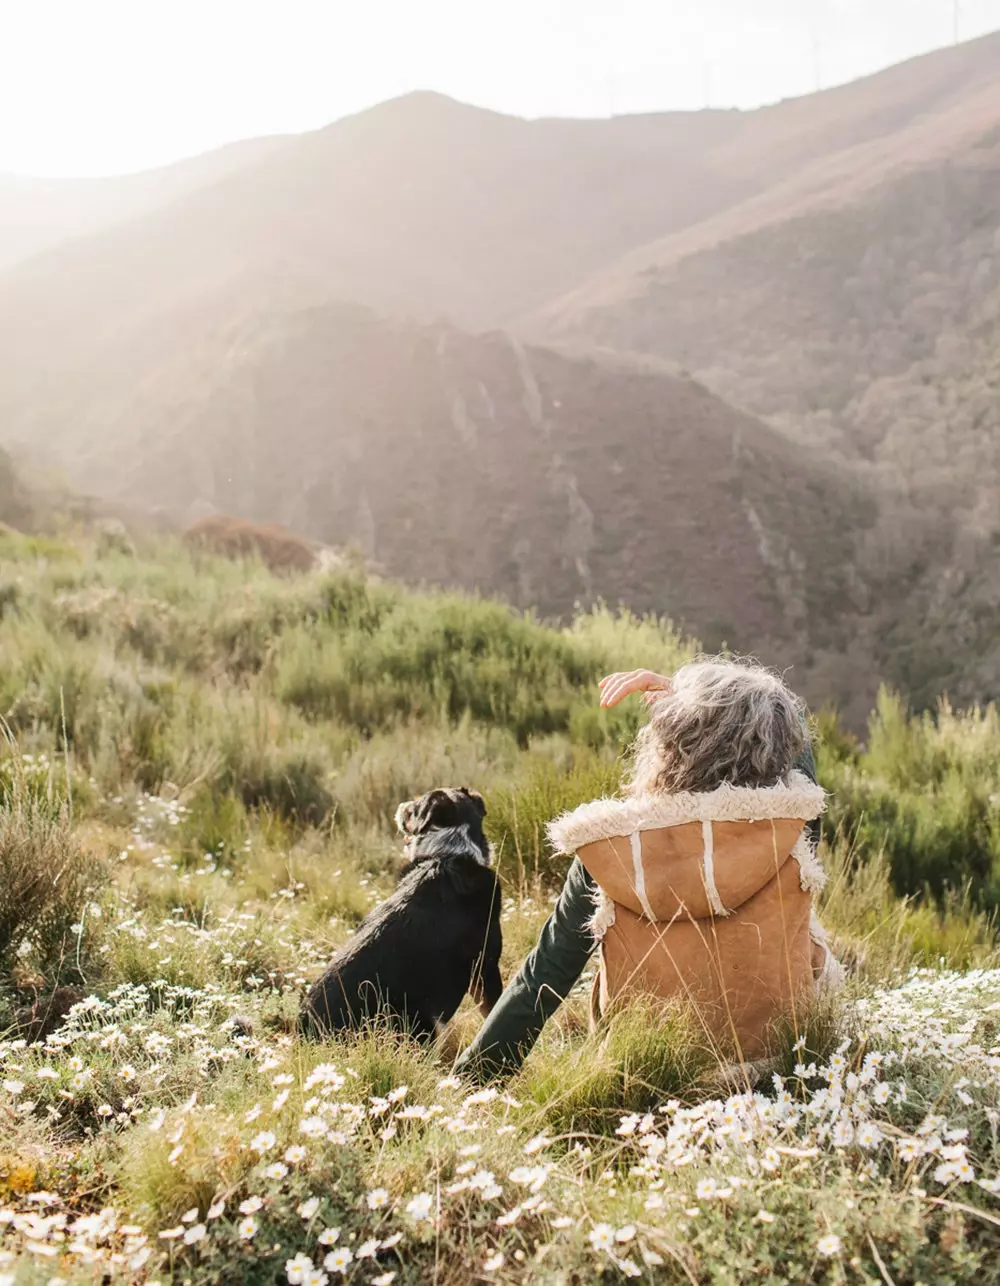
414 957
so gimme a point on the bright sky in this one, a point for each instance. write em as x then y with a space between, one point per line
108 86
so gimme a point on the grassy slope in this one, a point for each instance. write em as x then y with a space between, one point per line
237 746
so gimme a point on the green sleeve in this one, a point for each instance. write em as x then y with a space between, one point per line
806 763
541 985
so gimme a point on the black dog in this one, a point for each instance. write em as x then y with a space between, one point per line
436 937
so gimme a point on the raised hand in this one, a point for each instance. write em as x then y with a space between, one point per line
616 687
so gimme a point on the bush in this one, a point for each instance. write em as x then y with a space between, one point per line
924 792
279 550
46 882
541 790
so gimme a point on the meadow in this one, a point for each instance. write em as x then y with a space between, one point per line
199 768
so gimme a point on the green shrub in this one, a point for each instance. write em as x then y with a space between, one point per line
540 791
396 766
46 883
925 793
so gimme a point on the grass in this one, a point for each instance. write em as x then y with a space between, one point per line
214 758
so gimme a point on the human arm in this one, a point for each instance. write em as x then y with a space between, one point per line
540 986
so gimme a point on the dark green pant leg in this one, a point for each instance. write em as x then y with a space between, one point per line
540 986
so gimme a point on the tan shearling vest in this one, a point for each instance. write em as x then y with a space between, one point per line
707 897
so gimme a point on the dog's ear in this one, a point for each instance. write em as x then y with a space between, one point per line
403 817
477 799
435 810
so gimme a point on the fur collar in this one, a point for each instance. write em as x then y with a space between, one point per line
797 797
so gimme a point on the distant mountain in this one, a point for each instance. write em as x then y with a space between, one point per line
38 214
292 338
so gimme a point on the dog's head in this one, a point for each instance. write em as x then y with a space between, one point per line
446 820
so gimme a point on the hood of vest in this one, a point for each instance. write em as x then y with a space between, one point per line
694 854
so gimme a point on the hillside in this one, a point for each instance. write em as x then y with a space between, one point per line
868 328
38 214
827 263
476 462
231 747
427 206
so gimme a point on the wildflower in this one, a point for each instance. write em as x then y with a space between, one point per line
47 1074
829 1245
494 1262
313 1127
315 1277
377 1198
171 1234
127 1073
295 1154
338 1261
384 1279
764 1216
629 1267
869 1135
626 1233
367 1249
706 1189
421 1207
280 1101
247 1228
276 1171
189 1216
843 1133
910 1149
105 1110
296 1269
13 1087
251 1205
329 1236
262 1142
194 1234
602 1236
309 1208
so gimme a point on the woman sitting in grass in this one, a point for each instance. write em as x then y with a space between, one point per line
697 884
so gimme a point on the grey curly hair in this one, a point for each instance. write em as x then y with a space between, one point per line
722 721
